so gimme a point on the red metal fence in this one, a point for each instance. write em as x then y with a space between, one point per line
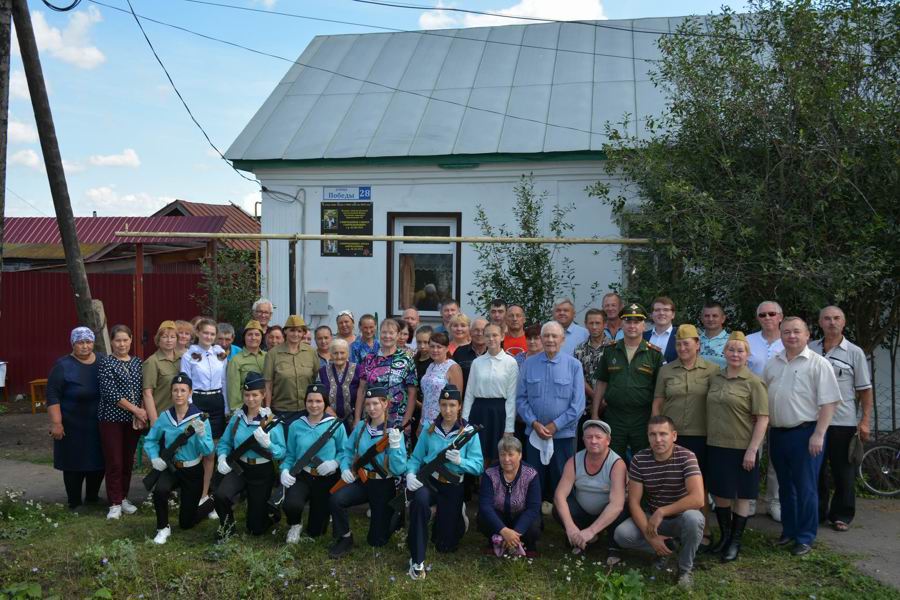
38 312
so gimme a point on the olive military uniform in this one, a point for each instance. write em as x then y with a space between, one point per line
290 375
685 391
629 393
731 405
158 372
239 366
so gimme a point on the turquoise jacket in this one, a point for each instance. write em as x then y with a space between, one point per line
433 440
365 436
302 435
239 428
168 427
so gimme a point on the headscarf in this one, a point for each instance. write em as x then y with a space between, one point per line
81 334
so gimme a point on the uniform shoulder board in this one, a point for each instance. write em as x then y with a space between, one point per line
608 344
654 347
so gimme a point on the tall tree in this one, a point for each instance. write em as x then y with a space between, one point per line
773 172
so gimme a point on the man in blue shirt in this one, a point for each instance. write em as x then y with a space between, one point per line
713 336
550 399
575 335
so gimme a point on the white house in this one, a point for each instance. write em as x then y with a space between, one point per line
407 133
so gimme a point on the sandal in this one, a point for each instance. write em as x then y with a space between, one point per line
840 526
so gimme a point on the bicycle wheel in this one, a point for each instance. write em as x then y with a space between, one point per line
880 470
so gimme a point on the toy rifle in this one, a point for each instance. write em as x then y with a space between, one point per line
438 464
367 458
309 458
168 454
251 444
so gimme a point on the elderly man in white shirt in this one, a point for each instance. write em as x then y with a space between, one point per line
803 395
490 396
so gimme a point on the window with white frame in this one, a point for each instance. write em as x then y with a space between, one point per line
422 275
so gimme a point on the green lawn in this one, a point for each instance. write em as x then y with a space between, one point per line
83 556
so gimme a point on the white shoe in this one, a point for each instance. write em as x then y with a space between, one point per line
162 535
213 515
416 571
465 518
775 511
115 512
128 508
293 535
546 508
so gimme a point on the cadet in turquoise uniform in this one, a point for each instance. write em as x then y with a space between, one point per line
367 484
258 474
450 523
188 475
313 483
626 380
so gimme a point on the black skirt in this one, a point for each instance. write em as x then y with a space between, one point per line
213 404
491 413
697 445
727 478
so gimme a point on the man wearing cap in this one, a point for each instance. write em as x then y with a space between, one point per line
626 379
250 359
564 314
549 400
851 417
288 370
590 497
803 395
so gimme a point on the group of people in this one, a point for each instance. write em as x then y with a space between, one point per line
614 427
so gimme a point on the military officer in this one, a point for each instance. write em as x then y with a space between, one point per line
625 382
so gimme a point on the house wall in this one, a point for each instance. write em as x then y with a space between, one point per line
360 284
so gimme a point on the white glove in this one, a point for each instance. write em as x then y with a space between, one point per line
159 464
348 476
265 412
199 427
395 436
287 480
260 435
454 456
412 482
327 467
223 467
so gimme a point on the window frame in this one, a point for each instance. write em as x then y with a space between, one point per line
392 277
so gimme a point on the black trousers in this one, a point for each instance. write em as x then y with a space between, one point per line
256 481
312 490
529 539
448 525
190 482
74 480
584 519
843 476
377 493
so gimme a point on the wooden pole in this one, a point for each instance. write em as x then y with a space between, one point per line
5 48
139 300
56 176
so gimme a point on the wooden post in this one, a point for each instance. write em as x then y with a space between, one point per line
139 301
56 176
5 41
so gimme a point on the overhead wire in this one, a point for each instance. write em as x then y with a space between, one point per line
8 189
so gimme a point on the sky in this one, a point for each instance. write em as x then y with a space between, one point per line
128 145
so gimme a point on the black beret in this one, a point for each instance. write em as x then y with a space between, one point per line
377 392
449 392
183 378
254 381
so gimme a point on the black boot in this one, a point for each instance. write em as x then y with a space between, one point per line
723 516
730 553
341 546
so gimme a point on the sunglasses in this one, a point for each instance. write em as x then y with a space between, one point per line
767 314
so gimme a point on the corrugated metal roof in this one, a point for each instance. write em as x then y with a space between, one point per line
45 251
236 219
101 230
545 87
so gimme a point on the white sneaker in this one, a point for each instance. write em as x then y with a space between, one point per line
293 535
416 571
213 515
775 511
162 535
115 512
128 508
465 518
546 508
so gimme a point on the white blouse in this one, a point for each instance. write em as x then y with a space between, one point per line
493 377
207 373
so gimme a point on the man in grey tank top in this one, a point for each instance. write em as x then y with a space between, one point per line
590 497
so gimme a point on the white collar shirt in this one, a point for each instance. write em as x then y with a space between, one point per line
660 340
852 371
208 372
493 377
799 387
761 351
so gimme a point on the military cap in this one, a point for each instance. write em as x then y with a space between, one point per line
254 324
166 325
686 332
183 378
315 388
254 381
738 336
633 311
450 392
295 321
377 392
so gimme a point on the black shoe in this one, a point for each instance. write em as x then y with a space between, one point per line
783 541
801 549
730 553
723 516
341 547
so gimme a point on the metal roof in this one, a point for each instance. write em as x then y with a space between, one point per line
545 87
237 220
101 230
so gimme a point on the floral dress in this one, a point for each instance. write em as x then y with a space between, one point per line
433 381
396 373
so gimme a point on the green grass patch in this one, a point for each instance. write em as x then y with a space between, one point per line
47 551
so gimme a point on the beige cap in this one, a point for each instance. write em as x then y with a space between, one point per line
686 331
166 325
295 321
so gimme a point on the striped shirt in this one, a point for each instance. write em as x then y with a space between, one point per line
664 482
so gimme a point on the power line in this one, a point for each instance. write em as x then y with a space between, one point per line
26 201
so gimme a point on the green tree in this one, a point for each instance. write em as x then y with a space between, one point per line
773 172
531 275
230 288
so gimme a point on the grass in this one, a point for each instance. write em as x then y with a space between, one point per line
83 556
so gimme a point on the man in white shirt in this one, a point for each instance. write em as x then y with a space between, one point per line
564 314
852 371
411 318
662 334
803 395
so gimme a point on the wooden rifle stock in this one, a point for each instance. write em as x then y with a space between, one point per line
358 466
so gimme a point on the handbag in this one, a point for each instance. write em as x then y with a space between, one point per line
855 451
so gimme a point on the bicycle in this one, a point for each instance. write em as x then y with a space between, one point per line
880 468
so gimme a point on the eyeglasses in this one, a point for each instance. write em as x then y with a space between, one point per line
763 315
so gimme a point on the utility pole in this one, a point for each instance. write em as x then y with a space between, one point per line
56 176
5 41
